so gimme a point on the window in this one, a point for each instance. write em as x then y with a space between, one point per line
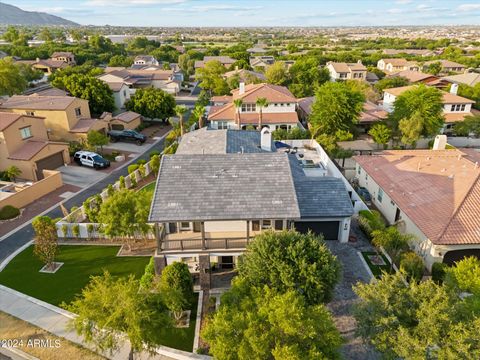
249 107
462 108
343 75
124 93
266 224
380 195
26 132
359 170
30 113
78 112
222 125
185 226
457 107
255 225
278 224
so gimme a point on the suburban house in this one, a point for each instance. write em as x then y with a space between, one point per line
121 93
397 64
470 79
261 61
226 61
415 52
455 108
141 78
67 118
347 71
127 120
145 60
246 76
447 66
280 112
244 185
431 194
24 143
417 77
65 56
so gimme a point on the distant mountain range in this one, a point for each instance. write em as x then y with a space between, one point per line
13 15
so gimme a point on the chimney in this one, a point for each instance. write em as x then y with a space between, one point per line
454 89
440 142
359 61
266 139
241 90
37 60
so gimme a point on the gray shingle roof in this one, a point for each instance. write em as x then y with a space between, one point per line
319 197
248 141
224 187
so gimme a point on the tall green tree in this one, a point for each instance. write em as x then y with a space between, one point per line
211 78
238 106
277 74
289 260
336 107
110 309
152 103
11 79
98 94
180 110
391 82
306 75
97 139
46 240
120 60
198 113
418 112
470 92
261 103
259 323
381 134
434 68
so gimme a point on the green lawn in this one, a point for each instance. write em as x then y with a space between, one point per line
80 262
377 269
181 338
150 188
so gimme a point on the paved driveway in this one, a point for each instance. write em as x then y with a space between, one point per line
80 176
128 147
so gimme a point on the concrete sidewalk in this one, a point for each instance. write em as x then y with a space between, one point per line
55 320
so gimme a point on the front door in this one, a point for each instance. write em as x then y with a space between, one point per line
197 227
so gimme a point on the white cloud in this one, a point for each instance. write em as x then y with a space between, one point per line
132 2
403 2
468 7
395 11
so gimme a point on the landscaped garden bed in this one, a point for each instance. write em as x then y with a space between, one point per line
80 263
378 263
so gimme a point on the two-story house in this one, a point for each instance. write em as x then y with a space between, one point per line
243 186
279 113
455 107
67 118
397 64
24 143
431 194
145 60
226 61
347 71
261 61
65 56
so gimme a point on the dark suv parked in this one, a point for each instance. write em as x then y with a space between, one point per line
127 135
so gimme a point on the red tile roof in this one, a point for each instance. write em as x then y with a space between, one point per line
439 190
7 119
28 150
127 116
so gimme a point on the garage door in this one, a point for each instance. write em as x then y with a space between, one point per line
51 162
329 229
451 257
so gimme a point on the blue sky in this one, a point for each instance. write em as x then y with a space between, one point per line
259 12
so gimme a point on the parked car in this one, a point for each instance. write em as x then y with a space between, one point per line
127 135
365 195
91 159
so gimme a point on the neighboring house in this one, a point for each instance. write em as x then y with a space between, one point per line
66 118
470 79
304 108
431 194
127 120
415 52
243 186
145 60
49 66
226 61
65 56
256 50
455 108
447 66
245 76
416 77
280 113
24 143
395 65
347 71
141 78
121 93
261 61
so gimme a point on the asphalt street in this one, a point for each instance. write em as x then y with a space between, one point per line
25 234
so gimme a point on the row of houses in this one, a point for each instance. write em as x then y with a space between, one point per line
400 64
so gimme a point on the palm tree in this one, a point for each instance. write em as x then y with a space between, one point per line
180 110
199 111
11 173
261 103
238 104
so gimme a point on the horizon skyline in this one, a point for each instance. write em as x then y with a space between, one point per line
264 14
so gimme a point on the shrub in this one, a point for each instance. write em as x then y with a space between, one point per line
153 153
133 181
110 190
76 230
141 162
147 278
65 230
438 272
121 182
412 265
370 221
73 147
90 229
9 212
132 168
177 277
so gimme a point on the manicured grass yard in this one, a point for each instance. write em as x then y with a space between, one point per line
80 262
181 338
150 188
377 269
